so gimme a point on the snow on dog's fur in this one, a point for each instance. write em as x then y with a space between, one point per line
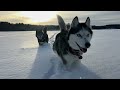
71 44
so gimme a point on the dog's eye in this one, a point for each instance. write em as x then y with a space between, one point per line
87 35
79 35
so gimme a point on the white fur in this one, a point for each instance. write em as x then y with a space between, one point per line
70 59
81 41
73 38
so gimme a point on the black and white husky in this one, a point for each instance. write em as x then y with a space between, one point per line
71 44
42 36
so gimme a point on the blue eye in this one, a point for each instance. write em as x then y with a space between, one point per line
79 35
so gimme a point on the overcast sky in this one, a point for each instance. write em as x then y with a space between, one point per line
97 17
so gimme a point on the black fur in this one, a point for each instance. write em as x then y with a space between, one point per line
44 35
61 44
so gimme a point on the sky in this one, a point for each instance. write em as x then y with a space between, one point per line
49 17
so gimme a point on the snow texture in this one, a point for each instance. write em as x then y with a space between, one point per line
22 58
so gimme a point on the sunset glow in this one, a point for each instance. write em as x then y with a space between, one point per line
50 18
39 16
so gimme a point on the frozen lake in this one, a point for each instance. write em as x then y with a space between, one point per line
21 58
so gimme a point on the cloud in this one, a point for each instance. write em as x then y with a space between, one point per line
97 17
2 13
13 17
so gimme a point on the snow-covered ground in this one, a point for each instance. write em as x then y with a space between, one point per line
21 58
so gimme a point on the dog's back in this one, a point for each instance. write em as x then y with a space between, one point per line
60 43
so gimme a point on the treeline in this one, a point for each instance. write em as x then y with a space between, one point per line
111 26
6 26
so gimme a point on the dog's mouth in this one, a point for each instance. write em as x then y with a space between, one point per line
84 50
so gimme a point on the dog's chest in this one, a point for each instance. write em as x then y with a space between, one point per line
71 58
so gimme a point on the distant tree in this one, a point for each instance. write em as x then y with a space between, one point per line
6 26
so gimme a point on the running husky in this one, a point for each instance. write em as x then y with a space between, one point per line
42 36
71 44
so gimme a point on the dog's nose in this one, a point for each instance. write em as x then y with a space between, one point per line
87 45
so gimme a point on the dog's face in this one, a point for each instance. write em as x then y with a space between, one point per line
80 35
42 35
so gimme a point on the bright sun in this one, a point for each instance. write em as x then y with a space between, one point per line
39 16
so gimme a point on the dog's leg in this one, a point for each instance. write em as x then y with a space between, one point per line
38 41
64 61
47 39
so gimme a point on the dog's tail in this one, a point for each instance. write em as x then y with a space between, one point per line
61 23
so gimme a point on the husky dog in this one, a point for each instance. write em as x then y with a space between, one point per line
71 44
42 36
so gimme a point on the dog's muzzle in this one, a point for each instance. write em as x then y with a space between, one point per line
76 52
87 45
84 50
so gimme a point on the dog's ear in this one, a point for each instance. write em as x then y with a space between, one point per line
44 29
75 22
87 22
61 23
